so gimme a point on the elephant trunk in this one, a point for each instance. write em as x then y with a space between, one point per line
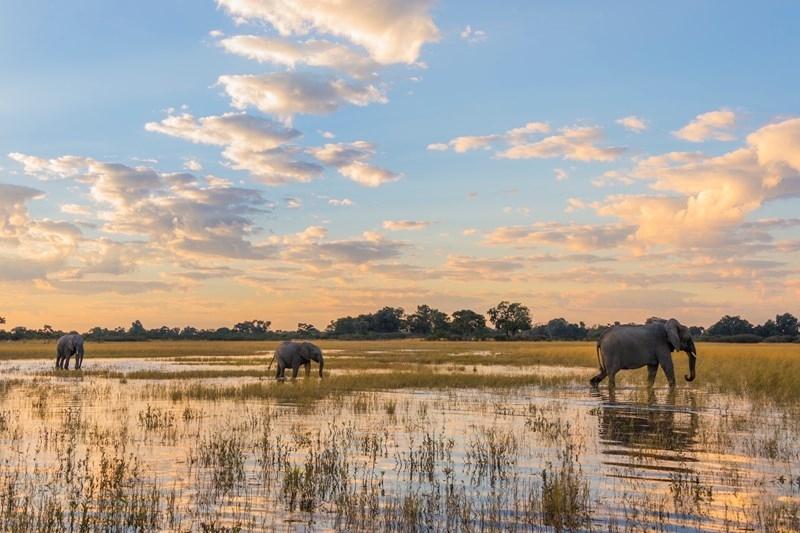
321 364
692 361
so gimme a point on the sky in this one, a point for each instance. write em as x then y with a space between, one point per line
198 162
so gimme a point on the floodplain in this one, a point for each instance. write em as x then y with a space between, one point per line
403 435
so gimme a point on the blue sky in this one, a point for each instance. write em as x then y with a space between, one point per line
442 227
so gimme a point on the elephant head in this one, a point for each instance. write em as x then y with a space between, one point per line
680 339
312 352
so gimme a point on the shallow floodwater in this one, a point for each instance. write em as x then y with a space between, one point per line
75 449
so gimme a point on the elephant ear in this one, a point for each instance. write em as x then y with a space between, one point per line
305 350
673 337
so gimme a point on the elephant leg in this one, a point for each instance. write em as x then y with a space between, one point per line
308 369
78 362
279 373
652 370
65 363
669 371
595 381
295 368
612 380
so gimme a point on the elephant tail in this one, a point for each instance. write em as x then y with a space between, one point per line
272 360
599 358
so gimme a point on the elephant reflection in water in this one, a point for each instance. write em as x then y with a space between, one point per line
651 426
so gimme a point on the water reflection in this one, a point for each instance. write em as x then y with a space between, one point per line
648 433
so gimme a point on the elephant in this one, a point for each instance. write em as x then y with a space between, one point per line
69 345
650 345
296 354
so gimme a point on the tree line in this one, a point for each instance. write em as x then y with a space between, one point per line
506 321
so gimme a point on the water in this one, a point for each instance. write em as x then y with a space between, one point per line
682 460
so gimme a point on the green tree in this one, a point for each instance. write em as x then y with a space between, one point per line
786 324
561 329
467 323
730 325
137 329
387 320
427 320
510 318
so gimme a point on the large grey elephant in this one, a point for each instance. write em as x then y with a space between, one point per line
293 355
69 345
650 345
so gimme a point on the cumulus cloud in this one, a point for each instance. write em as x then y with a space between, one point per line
193 164
401 225
466 143
715 125
633 123
578 143
179 214
472 142
289 93
581 237
31 248
44 169
313 52
351 160
240 129
704 200
392 31
254 144
312 249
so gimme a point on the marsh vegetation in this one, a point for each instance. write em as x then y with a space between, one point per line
399 436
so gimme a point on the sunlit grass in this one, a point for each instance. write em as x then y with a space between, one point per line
769 371
312 389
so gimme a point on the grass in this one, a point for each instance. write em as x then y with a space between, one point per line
760 371
313 389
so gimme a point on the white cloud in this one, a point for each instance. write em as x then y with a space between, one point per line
561 174
239 129
438 147
404 225
392 31
31 248
289 93
254 144
633 123
45 169
577 143
351 161
293 203
581 237
712 125
313 52
193 164
705 200
472 35
177 213
77 210
514 136
344 202
472 142
278 166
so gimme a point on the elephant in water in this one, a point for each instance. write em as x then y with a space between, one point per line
69 345
297 354
650 345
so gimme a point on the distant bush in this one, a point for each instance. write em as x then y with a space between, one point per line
781 338
746 338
